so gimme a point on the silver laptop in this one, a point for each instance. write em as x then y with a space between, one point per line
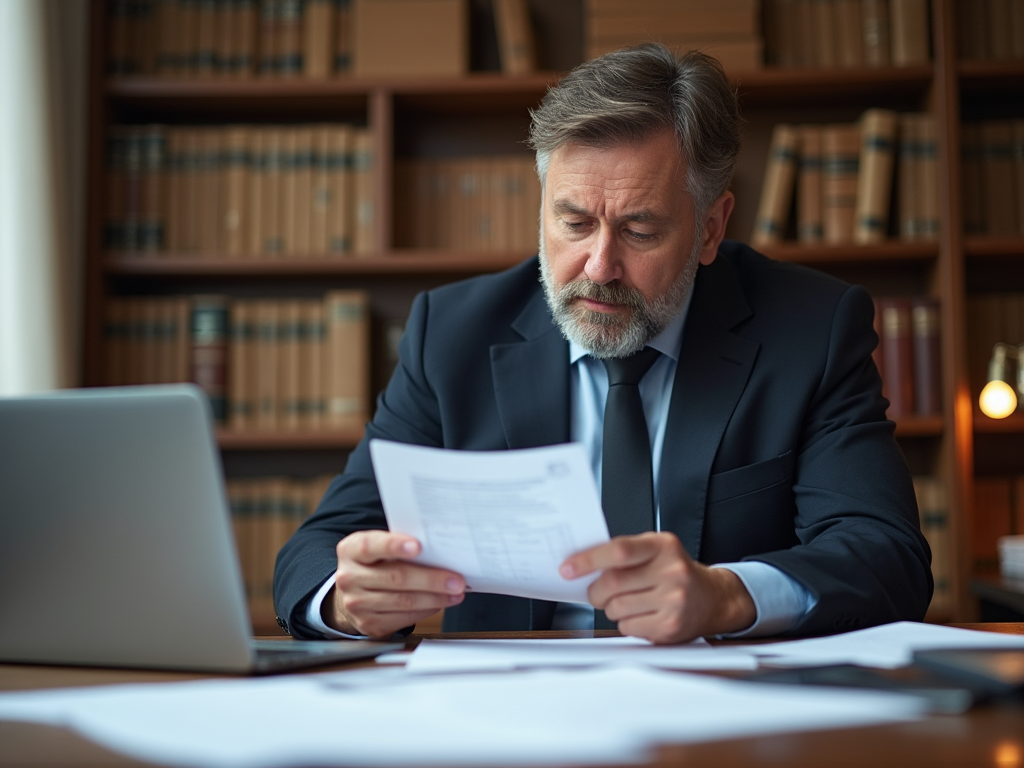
116 546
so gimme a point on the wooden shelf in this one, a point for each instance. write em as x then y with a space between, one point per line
1012 246
419 262
890 250
920 426
991 74
342 440
794 86
1012 424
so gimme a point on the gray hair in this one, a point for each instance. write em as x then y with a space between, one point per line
628 95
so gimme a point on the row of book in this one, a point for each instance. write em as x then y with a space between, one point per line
267 365
993 176
841 177
998 512
229 38
265 512
990 29
909 354
475 203
240 191
729 30
933 511
991 318
846 33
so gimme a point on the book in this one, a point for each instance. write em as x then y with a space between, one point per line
267 393
907 179
289 38
810 228
346 363
992 513
933 512
898 355
242 358
823 22
410 38
516 47
318 30
364 239
928 170
777 187
875 175
209 334
875 18
311 363
340 191
245 28
850 35
997 174
343 37
840 162
289 417
926 323
973 185
236 163
908 25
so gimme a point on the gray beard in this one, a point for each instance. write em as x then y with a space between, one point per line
604 335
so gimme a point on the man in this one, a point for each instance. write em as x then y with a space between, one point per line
770 453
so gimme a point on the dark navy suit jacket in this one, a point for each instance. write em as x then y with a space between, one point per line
776 449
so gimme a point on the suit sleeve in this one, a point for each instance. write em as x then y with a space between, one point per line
407 411
861 552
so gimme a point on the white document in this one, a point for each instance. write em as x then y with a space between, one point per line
547 717
888 645
433 656
505 520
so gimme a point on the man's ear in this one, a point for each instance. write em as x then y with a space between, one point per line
715 221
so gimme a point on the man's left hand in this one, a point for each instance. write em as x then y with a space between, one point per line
654 590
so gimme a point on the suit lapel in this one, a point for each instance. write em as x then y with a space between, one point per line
531 380
714 367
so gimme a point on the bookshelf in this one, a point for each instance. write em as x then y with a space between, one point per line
486 112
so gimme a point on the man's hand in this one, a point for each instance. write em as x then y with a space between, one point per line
652 588
377 590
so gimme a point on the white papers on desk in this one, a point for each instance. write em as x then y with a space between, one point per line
505 520
434 656
888 646
594 716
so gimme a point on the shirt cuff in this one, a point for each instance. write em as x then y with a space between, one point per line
781 601
316 621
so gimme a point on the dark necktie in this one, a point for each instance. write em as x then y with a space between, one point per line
627 484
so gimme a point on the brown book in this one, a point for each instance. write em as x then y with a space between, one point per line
189 189
997 173
410 37
149 343
840 156
119 60
810 228
777 187
404 199
1018 171
647 20
132 214
501 214
288 184
164 341
289 418
875 16
320 190
267 354
908 25
209 334
189 40
133 336
167 54
516 47
347 362
934 517
1017 25
212 215
849 34
311 362
205 62
182 339
999 28
898 355
151 218
805 33
223 38
245 38
363 162
973 185
993 511
971 30
823 14
242 367
300 196
289 21
928 152
875 175
254 196
115 334
271 172
343 38
908 177
114 197
341 206
235 183
318 30
268 37
926 320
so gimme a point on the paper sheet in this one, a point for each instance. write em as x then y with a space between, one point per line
593 716
505 520
433 656
888 646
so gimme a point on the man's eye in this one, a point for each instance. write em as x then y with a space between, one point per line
640 237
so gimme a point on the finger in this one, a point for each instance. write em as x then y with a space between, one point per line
620 552
627 605
397 576
373 546
620 581
361 603
386 623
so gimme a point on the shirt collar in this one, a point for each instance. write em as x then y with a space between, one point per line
668 342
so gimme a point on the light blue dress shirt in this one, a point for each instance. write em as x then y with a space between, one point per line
780 601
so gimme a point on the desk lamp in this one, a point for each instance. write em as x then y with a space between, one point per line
999 397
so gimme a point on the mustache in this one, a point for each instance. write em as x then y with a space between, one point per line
611 293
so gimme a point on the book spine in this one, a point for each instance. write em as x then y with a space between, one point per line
908 23
810 228
290 63
840 149
267 352
907 177
206 39
267 47
516 47
320 192
928 152
255 199
144 37
302 194
997 173
898 353
363 162
224 38
182 332
271 211
347 362
240 378
311 339
165 342
934 517
777 188
340 196
151 224
245 32
133 143
850 36
319 29
343 37
876 32
875 177
235 174
115 332
999 28
114 197
973 184
289 368
825 33
118 56
926 320
209 333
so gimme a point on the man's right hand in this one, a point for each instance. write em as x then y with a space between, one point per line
378 590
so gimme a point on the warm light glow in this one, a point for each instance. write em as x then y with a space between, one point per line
998 400
1008 754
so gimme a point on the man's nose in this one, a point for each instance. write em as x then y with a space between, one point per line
604 263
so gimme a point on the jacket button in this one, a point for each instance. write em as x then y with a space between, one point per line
282 624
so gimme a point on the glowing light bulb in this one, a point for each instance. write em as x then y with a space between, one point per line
998 400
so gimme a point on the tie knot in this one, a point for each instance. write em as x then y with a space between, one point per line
629 370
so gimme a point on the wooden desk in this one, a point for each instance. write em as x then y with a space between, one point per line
991 735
